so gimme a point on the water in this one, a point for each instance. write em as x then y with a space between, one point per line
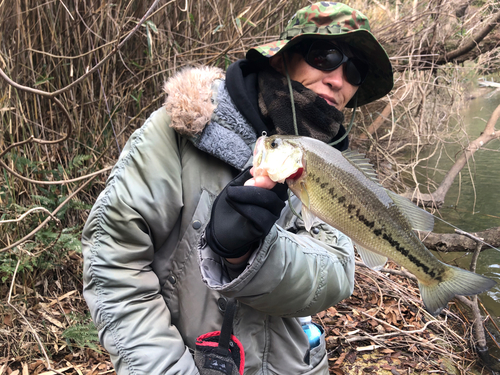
474 204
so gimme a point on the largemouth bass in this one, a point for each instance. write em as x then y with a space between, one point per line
342 190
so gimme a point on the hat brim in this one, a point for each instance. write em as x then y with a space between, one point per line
379 81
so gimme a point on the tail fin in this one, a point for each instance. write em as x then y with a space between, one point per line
459 282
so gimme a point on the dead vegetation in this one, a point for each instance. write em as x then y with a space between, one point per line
78 79
383 329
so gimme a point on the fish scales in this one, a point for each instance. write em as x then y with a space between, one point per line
364 211
341 192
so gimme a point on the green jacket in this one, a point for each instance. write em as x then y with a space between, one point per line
150 281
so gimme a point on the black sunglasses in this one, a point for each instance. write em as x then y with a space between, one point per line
326 56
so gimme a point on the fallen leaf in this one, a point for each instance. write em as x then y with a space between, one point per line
351 357
54 373
332 311
52 320
341 359
7 320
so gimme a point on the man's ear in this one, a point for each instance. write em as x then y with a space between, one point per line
277 63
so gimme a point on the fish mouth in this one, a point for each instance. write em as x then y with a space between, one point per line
259 155
281 166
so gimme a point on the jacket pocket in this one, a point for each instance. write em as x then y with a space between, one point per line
321 368
318 354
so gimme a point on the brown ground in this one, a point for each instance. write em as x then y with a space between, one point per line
381 329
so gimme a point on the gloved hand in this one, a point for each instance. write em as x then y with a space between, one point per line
243 215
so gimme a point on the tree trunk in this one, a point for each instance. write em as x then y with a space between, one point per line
451 242
471 44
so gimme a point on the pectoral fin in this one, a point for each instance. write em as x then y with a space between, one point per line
371 259
307 215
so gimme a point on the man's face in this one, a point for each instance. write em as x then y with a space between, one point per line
330 85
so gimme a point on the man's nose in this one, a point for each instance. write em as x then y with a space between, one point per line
335 78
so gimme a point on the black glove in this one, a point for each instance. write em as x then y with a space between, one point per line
243 215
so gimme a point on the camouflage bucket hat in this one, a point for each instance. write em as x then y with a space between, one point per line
336 21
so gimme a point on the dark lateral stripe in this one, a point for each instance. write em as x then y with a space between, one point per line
351 208
395 244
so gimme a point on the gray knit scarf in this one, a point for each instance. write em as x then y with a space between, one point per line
315 117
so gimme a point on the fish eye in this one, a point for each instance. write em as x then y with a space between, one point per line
275 143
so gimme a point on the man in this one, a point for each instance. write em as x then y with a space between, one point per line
183 236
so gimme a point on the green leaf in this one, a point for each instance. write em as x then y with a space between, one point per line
152 26
83 334
217 29
136 65
43 80
78 160
238 24
246 20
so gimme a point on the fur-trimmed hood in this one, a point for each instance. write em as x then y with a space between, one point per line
202 110
189 98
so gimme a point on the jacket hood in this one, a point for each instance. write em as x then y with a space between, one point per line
202 110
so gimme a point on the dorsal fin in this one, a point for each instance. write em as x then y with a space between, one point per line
362 163
418 218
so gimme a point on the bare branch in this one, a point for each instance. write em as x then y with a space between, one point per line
52 96
91 71
469 46
27 213
34 231
60 182
32 138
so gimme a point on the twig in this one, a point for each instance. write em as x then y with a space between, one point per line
60 182
479 242
42 348
478 319
67 10
397 329
34 231
391 271
27 213
489 316
379 291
